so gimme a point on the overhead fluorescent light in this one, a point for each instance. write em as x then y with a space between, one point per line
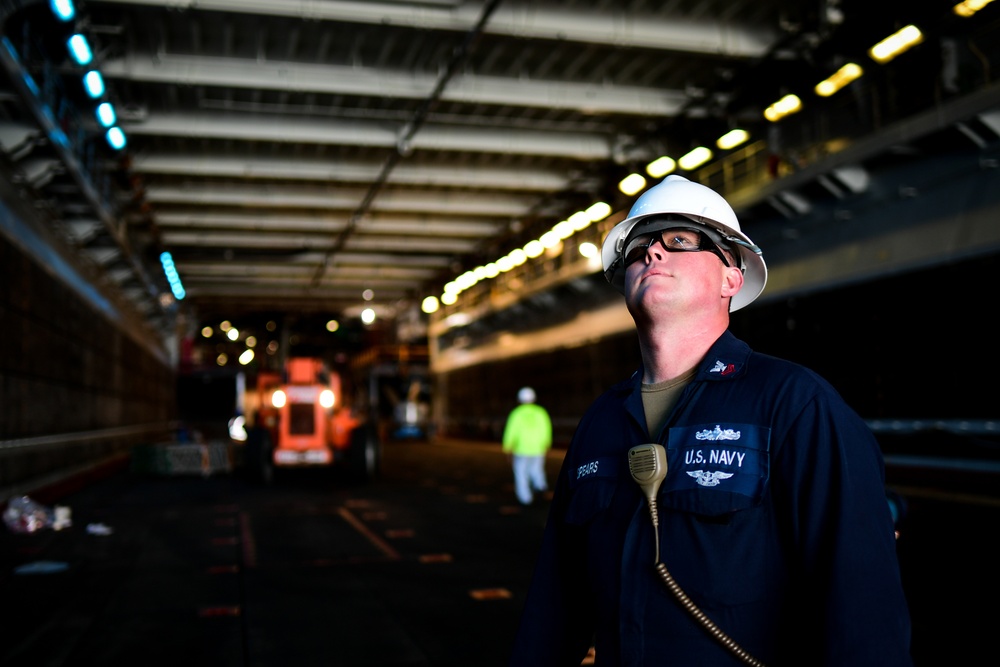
732 139
79 49
695 158
116 138
661 166
838 79
788 104
94 83
632 184
969 7
105 114
896 43
63 9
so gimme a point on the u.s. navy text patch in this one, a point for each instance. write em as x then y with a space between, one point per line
723 456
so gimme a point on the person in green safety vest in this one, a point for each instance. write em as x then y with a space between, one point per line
527 437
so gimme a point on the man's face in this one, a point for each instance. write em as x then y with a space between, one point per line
676 270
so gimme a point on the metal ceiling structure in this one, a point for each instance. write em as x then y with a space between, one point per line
292 155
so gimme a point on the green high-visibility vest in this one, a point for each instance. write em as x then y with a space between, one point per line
528 431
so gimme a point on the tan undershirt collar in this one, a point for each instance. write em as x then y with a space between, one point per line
658 400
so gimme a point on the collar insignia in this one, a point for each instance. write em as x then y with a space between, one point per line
722 368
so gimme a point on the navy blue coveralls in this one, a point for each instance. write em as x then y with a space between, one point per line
773 520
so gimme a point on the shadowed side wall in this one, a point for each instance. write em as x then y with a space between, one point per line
74 390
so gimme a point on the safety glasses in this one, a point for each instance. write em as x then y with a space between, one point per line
672 240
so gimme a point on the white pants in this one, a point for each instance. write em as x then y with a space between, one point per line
529 474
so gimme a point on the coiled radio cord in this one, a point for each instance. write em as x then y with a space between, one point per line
705 621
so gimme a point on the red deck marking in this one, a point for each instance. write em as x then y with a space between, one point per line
249 545
223 569
509 509
210 612
347 560
374 516
399 532
435 558
476 498
357 503
490 594
370 536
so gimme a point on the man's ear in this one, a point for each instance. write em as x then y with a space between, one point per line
732 281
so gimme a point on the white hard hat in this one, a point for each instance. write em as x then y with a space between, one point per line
703 207
526 395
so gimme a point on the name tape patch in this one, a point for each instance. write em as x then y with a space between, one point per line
601 467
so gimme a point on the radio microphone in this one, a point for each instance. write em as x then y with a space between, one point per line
648 466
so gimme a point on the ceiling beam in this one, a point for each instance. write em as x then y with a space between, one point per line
293 241
183 70
358 172
253 222
271 196
576 145
622 28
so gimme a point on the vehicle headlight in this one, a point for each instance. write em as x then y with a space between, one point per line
278 399
326 398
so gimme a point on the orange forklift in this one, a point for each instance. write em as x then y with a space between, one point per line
302 421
